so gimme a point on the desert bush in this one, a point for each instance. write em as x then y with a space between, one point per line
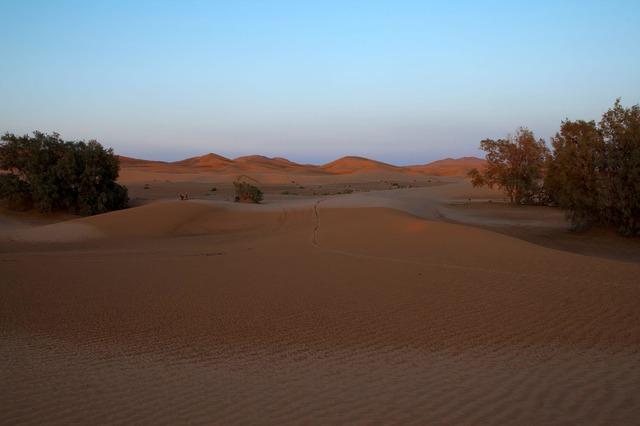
247 193
51 174
515 165
575 178
621 131
594 172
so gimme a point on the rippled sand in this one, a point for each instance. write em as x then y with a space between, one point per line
198 312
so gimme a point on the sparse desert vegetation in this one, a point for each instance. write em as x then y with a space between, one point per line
514 165
246 192
50 174
592 172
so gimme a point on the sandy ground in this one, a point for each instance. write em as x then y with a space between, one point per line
428 302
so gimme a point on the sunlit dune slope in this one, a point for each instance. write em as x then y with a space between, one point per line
450 166
352 164
208 161
260 164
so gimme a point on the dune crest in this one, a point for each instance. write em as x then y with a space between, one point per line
343 166
450 166
205 161
353 164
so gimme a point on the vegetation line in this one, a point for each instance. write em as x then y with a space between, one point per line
593 172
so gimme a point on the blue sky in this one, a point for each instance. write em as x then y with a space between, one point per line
401 81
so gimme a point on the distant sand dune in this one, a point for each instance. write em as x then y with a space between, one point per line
346 165
261 164
450 166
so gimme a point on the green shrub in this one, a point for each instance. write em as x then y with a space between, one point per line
594 172
514 165
52 174
574 179
247 193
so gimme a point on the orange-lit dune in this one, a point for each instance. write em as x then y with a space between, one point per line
214 163
346 165
208 161
450 166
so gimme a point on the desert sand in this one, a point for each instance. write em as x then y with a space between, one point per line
358 292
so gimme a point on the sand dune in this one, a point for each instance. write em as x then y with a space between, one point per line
137 162
313 311
362 307
261 164
450 166
352 164
210 161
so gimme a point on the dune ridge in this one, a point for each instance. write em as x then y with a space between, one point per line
343 166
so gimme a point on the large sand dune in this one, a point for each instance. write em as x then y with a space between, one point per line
370 307
218 164
450 166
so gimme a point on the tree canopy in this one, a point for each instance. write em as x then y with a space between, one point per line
593 171
48 173
514 164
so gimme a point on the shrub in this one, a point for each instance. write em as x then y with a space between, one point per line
575 179
52 174
594 172
247 193
621 131
515 165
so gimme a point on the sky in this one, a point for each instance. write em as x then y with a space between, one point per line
405 82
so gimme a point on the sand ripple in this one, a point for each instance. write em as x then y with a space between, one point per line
313 316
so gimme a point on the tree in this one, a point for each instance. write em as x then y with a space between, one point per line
51 174
620 128
594 172
15 191
575 178
515 165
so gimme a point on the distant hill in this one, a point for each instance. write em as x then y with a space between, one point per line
450 166
261 163
209 161
136 162
351 164
345 165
